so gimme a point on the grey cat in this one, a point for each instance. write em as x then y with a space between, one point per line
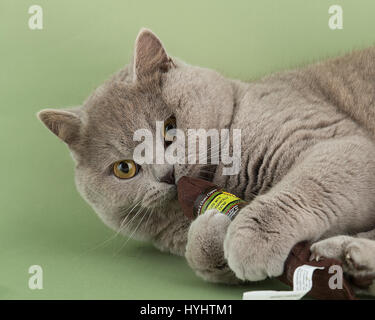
307 166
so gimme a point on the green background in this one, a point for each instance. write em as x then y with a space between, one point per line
43 220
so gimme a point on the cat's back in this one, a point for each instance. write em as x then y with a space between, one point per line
343 85
348 83
283 115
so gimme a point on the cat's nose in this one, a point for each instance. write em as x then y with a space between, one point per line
169 177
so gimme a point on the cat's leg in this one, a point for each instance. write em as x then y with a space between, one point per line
357 255
330 189
204 250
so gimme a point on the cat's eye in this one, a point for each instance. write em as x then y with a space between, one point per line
125 169
169 131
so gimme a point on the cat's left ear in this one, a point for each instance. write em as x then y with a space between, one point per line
65 124
149 55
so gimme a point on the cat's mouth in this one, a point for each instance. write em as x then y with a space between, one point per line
166 193
205 172
161 198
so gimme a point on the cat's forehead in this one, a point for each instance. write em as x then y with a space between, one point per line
116 110
128 105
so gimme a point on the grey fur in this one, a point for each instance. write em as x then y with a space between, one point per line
308 159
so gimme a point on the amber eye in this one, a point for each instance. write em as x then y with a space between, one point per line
125 169
169 129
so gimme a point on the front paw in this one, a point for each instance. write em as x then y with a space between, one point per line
356 254
204 250
255 249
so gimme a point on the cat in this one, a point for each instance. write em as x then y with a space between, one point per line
307 161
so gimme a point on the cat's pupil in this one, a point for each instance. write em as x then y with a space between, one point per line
124 167
169 127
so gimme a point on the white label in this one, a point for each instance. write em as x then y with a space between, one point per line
302 284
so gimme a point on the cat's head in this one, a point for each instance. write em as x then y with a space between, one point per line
153 87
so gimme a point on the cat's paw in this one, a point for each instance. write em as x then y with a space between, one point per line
204 249
329 248
255 250
356 254
360 256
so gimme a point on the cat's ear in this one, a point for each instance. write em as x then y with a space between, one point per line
65 124
149 55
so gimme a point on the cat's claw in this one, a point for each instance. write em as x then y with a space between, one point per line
315 257
356 255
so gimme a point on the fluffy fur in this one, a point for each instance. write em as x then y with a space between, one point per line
307 167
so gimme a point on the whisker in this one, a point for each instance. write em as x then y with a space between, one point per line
113 236
148 219
129 213
136 228
140 210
